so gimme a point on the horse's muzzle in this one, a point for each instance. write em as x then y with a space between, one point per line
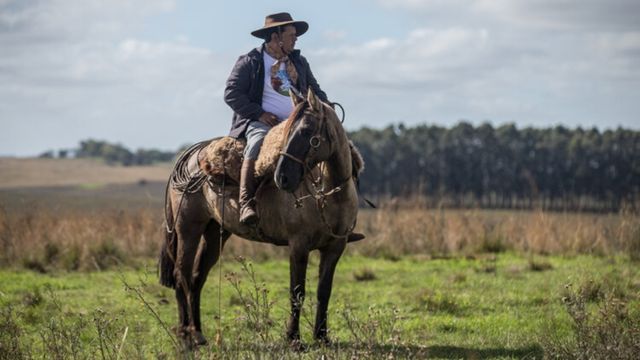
288 175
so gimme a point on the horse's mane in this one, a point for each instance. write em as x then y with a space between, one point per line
296 114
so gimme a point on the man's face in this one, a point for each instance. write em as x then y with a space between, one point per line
288 38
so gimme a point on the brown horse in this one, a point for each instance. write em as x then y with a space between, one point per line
310 204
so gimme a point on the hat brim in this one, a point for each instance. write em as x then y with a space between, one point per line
301 28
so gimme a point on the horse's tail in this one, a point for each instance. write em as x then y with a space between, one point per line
166 262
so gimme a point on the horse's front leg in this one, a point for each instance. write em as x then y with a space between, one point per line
328 260
298 259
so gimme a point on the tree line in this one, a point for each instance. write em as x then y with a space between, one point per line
473 166
503 167
113 154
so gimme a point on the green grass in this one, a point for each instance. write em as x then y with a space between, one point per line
488 306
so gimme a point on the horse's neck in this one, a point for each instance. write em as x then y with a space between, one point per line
339 166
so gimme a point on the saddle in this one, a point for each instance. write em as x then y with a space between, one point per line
222 158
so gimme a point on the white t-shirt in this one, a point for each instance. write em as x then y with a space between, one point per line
276 101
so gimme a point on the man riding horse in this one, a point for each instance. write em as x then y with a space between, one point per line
258 90
315 155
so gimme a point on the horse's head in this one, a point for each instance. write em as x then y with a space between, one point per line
307 142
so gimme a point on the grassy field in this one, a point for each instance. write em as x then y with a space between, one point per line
78 280
28 172
493 306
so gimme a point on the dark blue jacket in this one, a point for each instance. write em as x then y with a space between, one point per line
245 86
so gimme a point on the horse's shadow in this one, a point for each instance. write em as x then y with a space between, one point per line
404 351
443 351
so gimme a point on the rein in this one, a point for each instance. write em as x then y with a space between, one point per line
320 195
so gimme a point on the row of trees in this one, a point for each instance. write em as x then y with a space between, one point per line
503 167
114 154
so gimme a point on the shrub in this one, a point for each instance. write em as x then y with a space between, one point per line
609 331
106 254
10 333
34 264
51 253
71 258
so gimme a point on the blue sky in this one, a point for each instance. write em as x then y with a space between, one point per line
150 73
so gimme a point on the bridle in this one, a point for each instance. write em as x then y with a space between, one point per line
317 191
314 142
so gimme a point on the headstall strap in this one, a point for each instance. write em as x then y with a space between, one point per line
284 153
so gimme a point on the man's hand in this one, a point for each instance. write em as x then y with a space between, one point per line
269 119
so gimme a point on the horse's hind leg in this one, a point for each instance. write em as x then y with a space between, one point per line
189 234
208 257
328 260
181 299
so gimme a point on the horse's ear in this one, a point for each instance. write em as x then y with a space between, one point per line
295 99
314 101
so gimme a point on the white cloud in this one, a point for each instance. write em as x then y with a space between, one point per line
424 5
610 15
74 70
425 55
566 14
444 74
67 20
335 35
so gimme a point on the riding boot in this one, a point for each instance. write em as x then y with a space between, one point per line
248 215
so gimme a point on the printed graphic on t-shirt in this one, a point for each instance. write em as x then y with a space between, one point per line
281 82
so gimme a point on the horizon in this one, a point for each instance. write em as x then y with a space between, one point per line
150 74
75 147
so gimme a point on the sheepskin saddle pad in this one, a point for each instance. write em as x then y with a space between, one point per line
222 158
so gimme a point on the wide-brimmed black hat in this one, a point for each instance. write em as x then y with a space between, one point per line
279 19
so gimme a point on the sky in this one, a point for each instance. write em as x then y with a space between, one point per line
151 73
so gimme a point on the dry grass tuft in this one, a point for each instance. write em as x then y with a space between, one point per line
439 302
539 265
364 274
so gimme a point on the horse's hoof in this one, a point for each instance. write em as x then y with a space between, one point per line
182 335
180 331
198 339
324 340
186 344
297 345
